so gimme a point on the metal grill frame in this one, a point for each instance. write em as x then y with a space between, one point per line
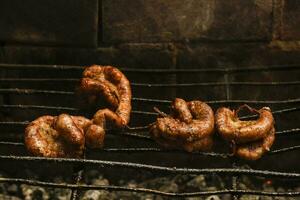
134 132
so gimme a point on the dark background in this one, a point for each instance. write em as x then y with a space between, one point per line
150 33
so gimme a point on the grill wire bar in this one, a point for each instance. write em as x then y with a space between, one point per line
150 69
235 170
158 150
234 179
144 100
149 85
72 109
104 163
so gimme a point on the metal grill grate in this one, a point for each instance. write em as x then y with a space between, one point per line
138 131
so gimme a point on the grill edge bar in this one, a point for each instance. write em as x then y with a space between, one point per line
103 163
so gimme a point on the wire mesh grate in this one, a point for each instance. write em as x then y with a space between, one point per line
290 105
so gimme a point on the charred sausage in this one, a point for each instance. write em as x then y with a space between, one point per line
200 126
232 128
255 150
251 138
114 87
61 136
189 127
112 84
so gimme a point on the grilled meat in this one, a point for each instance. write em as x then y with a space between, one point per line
189 127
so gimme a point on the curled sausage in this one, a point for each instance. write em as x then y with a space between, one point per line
255 150
232 128
181 110
94 136
112 85
103 118
199 127
251 138
95 88
61 136
203 144
189 127
65 135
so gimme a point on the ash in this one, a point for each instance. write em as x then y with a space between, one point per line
174 184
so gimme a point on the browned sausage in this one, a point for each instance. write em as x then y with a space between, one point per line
94 136
65 135
107 90
232 128
199 127
66 127
189 127
181 110
81 122
112 84
255 150
203 144
103 119
107 118
61 136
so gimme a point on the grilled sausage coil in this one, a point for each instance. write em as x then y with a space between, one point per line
56 136
255 150
66 135
111 84
252 138
189 127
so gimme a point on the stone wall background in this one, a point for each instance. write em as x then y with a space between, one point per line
150 33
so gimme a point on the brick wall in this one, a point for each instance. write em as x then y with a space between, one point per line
150 33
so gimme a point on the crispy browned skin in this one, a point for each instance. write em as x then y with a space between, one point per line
189 127
107 118
81 122
71 132
232 128
106 89
94 136
112 84
251 138
61 136
203 144
200 126
65 135
255 150
181 110
114 87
